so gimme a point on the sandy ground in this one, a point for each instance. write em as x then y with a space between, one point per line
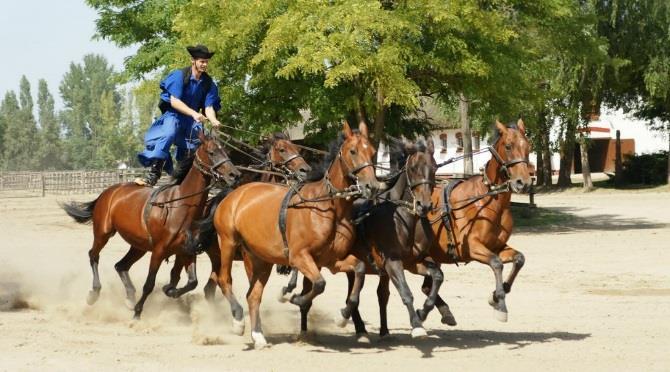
594 295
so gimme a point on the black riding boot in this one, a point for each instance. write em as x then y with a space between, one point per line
154 173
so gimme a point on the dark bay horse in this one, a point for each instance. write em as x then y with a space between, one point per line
316 219
281 161
386 237
479 221
152 220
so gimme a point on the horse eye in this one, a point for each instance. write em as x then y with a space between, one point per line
352 152
508 146
282 150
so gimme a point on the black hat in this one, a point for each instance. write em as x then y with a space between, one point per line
199 51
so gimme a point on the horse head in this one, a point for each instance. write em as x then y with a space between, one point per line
285 155
420 168
212 160
512 149
355 156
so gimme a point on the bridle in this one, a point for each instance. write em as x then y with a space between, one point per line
505 165
210 170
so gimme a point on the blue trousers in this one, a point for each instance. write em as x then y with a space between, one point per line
170 128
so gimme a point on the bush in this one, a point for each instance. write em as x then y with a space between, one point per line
646 169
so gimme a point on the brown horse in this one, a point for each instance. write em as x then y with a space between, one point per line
317 230
478 211
280 161
386 236
152 220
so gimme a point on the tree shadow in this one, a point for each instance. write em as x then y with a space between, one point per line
564 219
445 340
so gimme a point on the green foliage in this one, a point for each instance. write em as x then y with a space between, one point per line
21 141
646 169
50 151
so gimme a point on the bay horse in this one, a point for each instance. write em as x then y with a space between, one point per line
280 161
480 222
307 228
386 237
156 220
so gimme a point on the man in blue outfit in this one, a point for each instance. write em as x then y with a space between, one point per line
184 94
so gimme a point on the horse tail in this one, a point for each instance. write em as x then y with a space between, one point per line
206 233
80 212
283 269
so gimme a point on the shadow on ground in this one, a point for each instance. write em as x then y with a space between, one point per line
445 340
564 219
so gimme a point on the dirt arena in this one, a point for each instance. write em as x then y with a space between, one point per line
594 295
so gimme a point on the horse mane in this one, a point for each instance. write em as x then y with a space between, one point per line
320 170
181 170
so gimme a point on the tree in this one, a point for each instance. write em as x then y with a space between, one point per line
21 140
50 150
82 89
9 117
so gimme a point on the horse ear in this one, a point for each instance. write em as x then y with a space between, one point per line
346 129
501 127
201 136
430 145
408 147
521 126
363 128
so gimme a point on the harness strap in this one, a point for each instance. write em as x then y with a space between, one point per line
447 208
283 211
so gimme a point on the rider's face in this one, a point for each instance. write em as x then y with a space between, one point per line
201 64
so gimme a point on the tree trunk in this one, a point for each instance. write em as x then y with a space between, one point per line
586 170
567 155
668 127
463 107
380 119
618 168
546 157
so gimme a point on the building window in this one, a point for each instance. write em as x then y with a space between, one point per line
459 141
443 142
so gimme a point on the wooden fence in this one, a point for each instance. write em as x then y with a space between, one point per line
65 182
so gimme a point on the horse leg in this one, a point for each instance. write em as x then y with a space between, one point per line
122 268
170 289
227 247
361 332
284 294
383 294
99 241
305 263
497 299
150 283
447 317
258 272
353 295
509 254
304 310
429 270
210 287
192 281
396 272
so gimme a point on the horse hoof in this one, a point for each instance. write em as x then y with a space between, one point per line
284 296
449 320
501 316
259 340
418 332
340 321
238 327
363 338
92 297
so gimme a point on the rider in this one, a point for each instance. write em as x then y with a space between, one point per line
184 93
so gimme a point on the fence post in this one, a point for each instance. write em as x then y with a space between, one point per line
44 185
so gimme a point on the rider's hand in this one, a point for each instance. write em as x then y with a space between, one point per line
215 123
199 117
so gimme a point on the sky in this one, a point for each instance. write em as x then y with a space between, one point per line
37 43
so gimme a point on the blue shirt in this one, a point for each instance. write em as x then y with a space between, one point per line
191 95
